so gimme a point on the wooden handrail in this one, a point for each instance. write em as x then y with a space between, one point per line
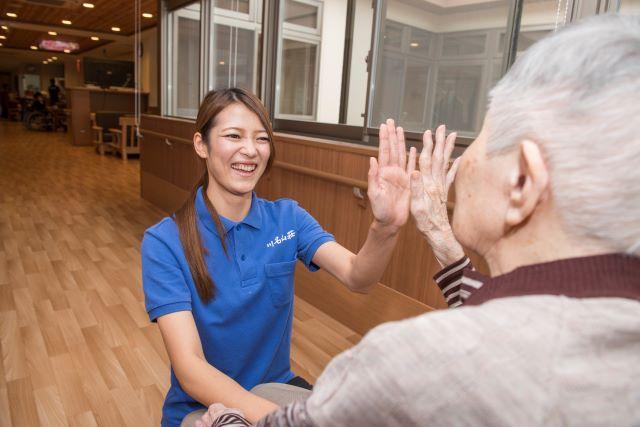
352 182
167 136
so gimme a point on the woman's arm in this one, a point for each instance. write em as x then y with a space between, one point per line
197 377
389 194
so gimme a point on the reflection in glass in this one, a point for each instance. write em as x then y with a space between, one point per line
299 13
241 6
457 95
437 63
235 57
297 91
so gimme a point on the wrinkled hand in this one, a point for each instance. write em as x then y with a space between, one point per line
389 189
217 412
429 190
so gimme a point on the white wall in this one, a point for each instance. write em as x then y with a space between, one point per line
362 28
334 20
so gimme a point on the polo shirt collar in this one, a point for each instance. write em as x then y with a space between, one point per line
253 218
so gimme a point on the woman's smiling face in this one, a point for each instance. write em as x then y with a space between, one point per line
238 149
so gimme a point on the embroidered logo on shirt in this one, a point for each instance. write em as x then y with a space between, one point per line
282 238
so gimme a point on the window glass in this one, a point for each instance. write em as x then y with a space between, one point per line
436 64
184 61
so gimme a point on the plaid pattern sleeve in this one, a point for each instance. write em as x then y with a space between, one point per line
453 283
231 419
292 415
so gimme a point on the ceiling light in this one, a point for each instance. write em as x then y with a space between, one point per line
414 44
52 33
94 38
4 27
147 15
116 29
44 62
88 5
0 44
3 37
221 62
34 47
67 51
55 58
66 22
11 15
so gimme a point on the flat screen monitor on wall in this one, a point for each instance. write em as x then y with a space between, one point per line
107 73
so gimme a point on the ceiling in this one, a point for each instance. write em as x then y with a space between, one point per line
35 18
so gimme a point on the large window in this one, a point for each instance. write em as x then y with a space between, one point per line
184 61
436 64
321 63
236 31
341 67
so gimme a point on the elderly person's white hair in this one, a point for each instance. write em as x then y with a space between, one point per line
577 94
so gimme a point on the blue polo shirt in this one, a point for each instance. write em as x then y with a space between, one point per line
246 329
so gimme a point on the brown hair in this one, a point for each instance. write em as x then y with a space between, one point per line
186 218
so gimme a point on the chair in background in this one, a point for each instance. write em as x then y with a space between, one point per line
125 140
102 123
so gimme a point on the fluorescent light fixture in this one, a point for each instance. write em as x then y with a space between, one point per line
3 37
221 62
67 51
52 33
66 22
94 38
116 29
147 15
55 58
12 15
4 27
88 5
414 44
44 62
34 47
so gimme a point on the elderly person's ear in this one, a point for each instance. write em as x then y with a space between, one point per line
528 184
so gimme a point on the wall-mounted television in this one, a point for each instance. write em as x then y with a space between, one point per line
107 73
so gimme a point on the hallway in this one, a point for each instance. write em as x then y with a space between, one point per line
77 346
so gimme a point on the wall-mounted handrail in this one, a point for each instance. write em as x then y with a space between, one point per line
327 176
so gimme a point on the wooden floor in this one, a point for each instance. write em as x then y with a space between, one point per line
77 347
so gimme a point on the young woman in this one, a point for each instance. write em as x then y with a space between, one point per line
218 274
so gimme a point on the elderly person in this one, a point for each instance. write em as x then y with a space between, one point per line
549 195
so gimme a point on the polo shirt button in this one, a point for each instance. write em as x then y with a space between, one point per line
242 257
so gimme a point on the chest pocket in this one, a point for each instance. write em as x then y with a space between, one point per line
280 281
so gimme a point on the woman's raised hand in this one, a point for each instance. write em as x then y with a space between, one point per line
389 183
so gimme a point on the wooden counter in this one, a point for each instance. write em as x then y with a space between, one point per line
83 101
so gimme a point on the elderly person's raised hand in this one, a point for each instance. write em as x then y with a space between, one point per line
219 415
429 190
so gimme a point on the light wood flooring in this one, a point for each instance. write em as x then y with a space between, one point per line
76 344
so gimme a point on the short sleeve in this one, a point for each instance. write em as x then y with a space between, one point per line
310 236
165 289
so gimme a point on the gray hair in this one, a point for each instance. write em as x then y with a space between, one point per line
577 94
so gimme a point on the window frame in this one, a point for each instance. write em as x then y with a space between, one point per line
265 17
